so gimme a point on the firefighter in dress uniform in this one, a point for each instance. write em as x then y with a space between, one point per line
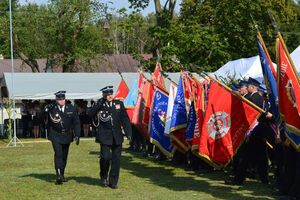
253 151
62 120
243 89
111 115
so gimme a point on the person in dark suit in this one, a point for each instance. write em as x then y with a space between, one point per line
112 115
254 151
62 121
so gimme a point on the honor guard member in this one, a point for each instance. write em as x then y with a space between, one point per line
254 151
111 114
62 121
235 88
243 89
261 91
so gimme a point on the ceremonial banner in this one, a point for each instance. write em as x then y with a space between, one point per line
158 80
197 101
122 91
191 123
293 138
270 80
199 106
226 121
288 92
288 75
158 121
206 89
172 94
130 101
180 113
139 108
188 91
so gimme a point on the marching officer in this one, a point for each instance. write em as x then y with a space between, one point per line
62 120
111 114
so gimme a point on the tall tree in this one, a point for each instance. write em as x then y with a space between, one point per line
68 34
30 34
292 29
76 39
210 33
164 15
4 24
231 20
129 32
4 7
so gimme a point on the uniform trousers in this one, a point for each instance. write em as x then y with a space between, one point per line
288 174
254 153
60 154
110 153
294 190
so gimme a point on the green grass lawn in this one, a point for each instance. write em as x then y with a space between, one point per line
28 173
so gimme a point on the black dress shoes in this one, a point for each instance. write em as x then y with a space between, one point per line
64 179
113 186
103 182
63 175
59 177
59 180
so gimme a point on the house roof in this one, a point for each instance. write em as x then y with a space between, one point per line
113 62
19 66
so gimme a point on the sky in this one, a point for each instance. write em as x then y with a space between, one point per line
117 4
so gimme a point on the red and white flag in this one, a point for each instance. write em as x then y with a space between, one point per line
122 91
226 121
158 79
288 93
137 118
199 104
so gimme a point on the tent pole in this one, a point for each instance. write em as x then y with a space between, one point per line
14 139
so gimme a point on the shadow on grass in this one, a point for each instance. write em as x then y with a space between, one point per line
164 176
94 152
85 180
52 177
44 177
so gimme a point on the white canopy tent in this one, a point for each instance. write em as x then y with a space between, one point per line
76 85
244 67
295 55
44 85
251 67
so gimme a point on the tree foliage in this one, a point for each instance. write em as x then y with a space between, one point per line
76 40
4 24
208 33
129 32
68 34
